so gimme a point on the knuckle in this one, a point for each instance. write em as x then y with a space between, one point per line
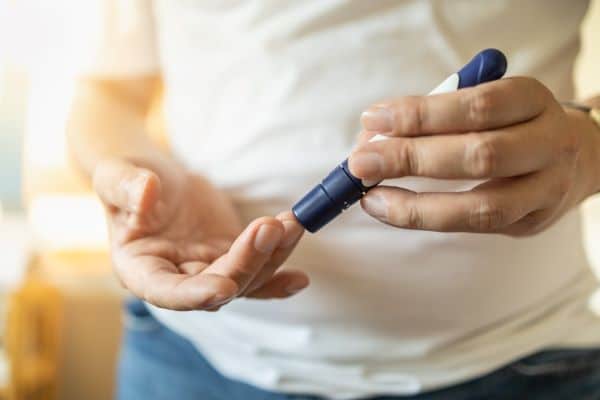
481 157
406 159
412 114
482 104
414 216
487 216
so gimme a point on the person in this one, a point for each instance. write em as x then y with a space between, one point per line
474 286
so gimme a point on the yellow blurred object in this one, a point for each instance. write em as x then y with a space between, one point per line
33 341
69 231
62 330
91 322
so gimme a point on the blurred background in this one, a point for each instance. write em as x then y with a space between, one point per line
59 304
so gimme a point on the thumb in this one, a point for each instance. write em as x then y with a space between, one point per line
124 186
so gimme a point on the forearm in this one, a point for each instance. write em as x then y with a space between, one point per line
107 120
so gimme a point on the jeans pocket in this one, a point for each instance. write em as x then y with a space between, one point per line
137 317
558 362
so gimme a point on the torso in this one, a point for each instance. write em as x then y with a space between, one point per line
263 97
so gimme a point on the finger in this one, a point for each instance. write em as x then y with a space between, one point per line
124 186
283 284
489 207
249 252
291 236
158 281
490 105
505 152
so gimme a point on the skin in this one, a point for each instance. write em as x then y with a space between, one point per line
176 240
537 159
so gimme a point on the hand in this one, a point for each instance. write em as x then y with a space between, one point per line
178 243
537 159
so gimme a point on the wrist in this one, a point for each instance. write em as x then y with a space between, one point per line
588 163
593 117
593 102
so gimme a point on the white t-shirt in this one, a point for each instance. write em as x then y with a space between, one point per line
263 97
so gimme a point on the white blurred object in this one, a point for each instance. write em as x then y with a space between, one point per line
70 35
15 247
68 222
48 108
40 34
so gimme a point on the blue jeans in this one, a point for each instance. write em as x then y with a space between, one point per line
158 364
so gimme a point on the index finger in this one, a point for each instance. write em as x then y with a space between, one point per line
249 252
486 106
293 232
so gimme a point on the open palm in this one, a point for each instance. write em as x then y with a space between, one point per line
177 242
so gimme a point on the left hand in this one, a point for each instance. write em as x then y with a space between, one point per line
178 242
538 160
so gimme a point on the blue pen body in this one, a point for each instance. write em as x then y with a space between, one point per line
340 189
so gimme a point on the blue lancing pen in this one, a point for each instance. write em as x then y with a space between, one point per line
340 189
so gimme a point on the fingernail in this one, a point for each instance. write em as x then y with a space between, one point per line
217 300
294 287
369 164
377 119
293 230
267 238
375 205
370 182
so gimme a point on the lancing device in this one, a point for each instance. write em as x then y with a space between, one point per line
340 189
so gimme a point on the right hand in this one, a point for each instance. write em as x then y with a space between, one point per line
178 243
